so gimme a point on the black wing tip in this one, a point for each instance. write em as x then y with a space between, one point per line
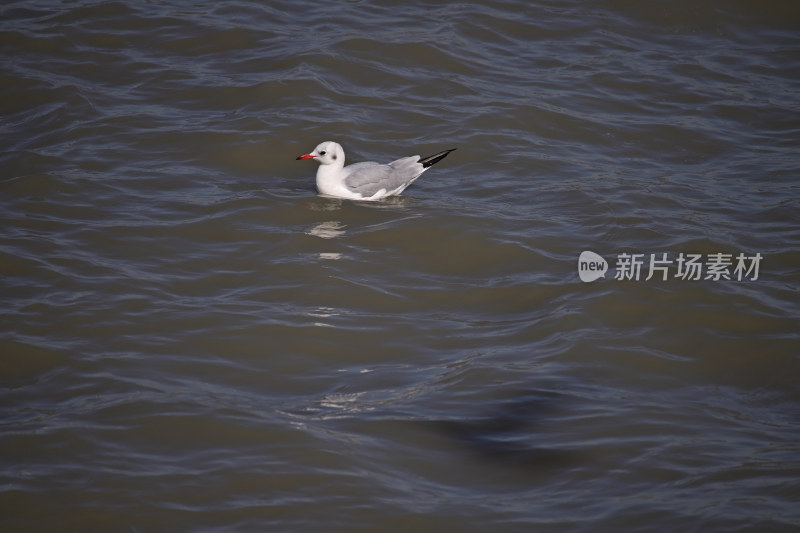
435 158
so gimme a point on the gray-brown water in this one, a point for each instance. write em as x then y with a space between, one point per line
193 340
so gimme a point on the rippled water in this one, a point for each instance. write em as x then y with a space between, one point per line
192 340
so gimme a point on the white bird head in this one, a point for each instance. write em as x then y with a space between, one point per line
326 153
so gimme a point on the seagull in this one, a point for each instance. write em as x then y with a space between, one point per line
368 180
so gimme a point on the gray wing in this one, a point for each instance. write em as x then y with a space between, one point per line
369 178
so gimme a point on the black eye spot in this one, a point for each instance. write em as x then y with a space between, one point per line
333 157
322 152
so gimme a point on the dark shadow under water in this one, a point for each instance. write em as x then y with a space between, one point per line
510 433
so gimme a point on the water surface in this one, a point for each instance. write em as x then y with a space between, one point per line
193 340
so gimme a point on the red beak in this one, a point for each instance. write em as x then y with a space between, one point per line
305 156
